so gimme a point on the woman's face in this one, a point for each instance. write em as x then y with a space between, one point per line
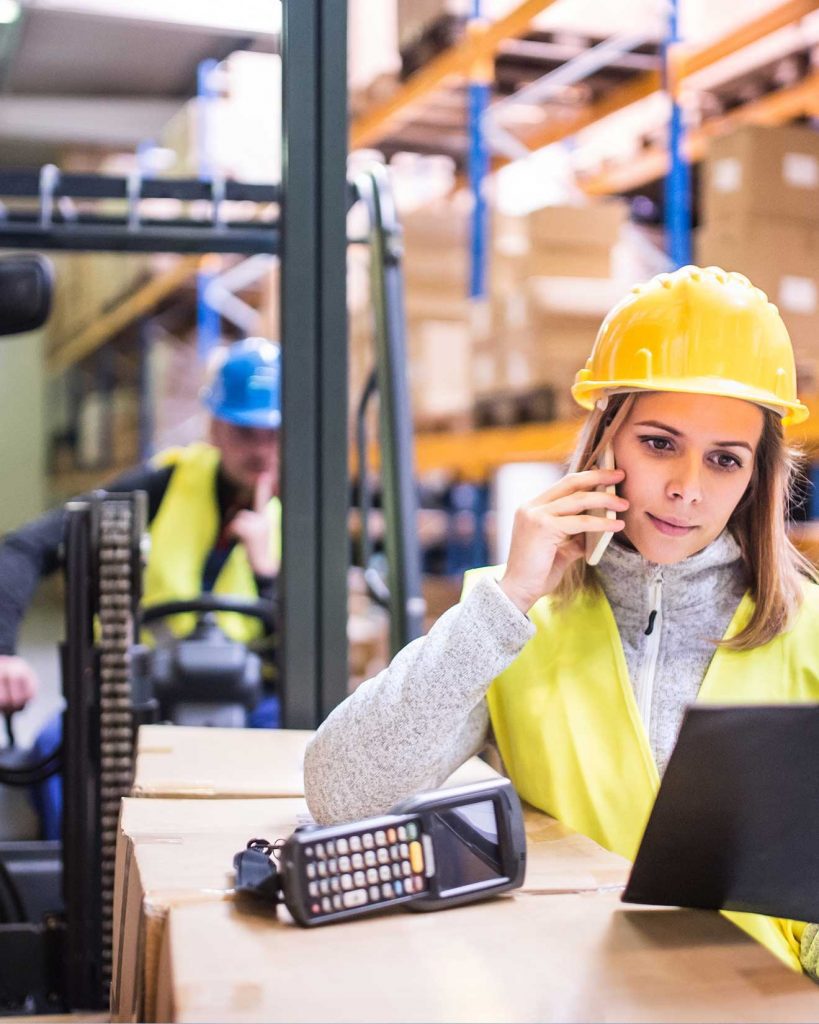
688 460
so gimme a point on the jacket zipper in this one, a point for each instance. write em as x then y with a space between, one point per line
648 668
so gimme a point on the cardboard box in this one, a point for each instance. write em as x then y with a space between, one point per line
171 852
174 851
781 258
524 957
561 260
188 761
595 224
440 357
773 172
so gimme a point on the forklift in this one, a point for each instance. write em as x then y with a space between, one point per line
56 898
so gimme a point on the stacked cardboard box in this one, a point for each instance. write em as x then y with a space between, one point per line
439 335
540 329
202 794
761 218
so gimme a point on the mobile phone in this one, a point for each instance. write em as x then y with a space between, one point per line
431 851
596 543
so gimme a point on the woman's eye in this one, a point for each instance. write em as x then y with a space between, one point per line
658 444
726 461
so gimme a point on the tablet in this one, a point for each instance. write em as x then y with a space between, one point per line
736 822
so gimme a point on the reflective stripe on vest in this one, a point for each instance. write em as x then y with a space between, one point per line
570 734
183 534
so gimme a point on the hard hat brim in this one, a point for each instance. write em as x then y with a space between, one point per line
586 393
265 419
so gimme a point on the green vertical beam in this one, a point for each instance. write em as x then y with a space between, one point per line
314 356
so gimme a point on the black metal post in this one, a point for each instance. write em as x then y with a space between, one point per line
314 352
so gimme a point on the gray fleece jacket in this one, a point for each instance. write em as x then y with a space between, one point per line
413 724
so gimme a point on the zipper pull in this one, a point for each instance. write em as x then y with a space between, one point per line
655 589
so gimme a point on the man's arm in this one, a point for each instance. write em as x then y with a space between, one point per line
33 551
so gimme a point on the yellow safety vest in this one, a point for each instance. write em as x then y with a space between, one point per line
569 730
183 534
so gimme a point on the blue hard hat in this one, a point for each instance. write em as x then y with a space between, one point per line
247 387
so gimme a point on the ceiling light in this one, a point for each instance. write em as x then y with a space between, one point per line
9 11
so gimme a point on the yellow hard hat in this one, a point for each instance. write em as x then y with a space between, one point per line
699 330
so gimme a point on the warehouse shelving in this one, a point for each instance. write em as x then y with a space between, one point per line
475 454
375 126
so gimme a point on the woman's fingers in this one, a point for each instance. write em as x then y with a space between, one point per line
590 524
582 500
585 481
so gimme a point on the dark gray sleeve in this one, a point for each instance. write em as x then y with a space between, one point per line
408 728
33 551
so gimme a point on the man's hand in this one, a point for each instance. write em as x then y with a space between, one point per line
18 683
252 528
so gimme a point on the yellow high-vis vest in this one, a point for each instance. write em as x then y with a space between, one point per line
184 532
570 734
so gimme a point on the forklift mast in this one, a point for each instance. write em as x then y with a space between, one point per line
103 569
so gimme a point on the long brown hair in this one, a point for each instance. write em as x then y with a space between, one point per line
776 569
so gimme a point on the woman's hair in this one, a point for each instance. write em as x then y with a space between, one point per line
776 569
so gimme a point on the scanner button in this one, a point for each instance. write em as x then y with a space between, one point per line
355 898
416 857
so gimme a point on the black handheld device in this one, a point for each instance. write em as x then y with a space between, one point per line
432 851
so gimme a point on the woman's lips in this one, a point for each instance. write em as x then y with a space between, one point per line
669 529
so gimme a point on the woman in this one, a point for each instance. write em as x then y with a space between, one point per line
584 674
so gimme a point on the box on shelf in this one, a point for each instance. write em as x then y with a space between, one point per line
762 170
781 258
594 224
440 358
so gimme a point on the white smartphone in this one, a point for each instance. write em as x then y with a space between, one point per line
596 543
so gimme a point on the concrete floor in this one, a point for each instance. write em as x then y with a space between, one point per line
39 640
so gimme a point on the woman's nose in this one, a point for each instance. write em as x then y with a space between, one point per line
686 482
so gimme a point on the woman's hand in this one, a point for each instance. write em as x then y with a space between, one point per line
548 533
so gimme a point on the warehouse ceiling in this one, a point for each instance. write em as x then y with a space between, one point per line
111 73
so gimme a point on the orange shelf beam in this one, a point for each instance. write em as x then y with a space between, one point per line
457 61
687 62
105 327
775 108
475 454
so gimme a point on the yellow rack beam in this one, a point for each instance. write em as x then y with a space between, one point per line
142 301
458 61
